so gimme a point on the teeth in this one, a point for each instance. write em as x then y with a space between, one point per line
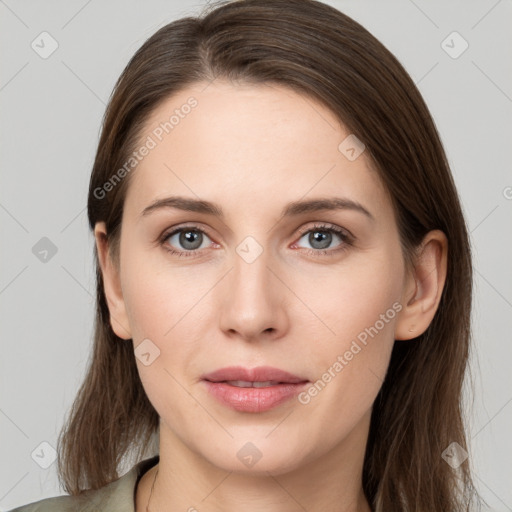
247 384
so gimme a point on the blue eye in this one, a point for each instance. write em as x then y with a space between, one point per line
189 238
321 236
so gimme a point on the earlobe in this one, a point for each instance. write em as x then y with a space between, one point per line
111 284
423 287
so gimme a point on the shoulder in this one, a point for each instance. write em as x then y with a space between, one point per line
59 503
117 496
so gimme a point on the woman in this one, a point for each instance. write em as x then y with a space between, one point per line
283 279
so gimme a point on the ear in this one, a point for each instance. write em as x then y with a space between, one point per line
423 287
111 284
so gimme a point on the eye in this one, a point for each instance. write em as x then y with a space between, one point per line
321 237
185 241
189 240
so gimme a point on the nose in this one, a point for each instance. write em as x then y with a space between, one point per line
253 300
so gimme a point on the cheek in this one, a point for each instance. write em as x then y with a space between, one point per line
167 305
361 306
164 306
159 298
351 298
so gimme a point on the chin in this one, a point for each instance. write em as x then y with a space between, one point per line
256 456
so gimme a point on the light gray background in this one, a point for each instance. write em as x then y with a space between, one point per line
51 111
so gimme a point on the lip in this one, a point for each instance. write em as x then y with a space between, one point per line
258 374
253 399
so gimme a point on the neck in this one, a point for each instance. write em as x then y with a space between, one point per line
187 481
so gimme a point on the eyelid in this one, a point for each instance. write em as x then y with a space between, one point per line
326 226
187 225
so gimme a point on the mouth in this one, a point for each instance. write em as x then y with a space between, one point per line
256 390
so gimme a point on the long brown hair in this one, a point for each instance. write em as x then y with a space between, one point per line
317 51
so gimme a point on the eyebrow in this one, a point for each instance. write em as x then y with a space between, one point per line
291 209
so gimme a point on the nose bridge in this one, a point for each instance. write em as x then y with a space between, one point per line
251 274
253 301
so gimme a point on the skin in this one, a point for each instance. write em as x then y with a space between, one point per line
291 308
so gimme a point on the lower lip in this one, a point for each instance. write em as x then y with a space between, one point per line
253 399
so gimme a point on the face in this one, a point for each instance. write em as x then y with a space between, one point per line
314 292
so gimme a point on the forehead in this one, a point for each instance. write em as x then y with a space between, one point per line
254 144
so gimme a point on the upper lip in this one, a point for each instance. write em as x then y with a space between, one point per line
258 374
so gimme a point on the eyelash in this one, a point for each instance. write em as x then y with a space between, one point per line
346 238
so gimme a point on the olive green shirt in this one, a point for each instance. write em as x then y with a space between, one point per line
117 496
